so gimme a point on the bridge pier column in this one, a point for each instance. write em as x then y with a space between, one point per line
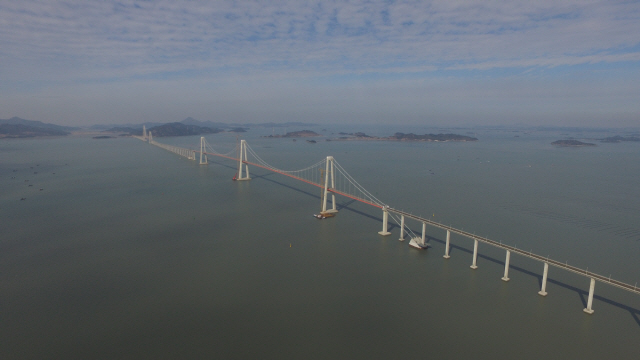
385 221
475 254
446 247
424 233
506 267
543 291
401 228
588 309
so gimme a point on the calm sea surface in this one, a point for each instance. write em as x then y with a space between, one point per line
132 252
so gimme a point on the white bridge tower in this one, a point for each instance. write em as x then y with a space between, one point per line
203 157
242 162
329 174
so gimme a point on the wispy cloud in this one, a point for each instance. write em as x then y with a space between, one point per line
132 38
456 59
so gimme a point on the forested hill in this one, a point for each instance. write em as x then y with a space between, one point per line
179 129
21 128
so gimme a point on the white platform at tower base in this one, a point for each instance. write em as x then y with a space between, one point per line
417 243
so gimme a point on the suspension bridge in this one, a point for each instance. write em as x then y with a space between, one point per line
333 179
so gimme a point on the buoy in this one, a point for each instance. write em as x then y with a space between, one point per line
289 245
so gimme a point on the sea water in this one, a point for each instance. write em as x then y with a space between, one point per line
130 251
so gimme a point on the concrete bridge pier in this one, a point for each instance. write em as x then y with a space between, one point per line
475 254
543 291
385 221
446 248
424 233
588 309
401 228
506 267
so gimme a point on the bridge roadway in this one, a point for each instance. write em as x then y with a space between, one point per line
565 266
510 249
515 250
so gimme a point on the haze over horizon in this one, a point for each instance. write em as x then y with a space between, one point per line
441 63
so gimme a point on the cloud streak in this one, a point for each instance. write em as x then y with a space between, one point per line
80 48
129 37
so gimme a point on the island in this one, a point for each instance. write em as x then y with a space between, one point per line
124 131
21 128
295 134
618 138
104 137
180 129
407 137
26 131
571 143
356 134
431 137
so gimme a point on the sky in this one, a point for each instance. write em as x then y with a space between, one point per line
441 63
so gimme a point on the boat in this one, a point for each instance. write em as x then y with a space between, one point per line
417 243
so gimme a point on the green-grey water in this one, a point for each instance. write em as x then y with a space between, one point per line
132 252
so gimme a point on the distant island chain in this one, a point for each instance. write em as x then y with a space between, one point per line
362 136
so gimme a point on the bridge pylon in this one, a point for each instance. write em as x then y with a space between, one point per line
242 162
203 157
329 175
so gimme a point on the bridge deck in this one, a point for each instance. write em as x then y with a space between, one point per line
573 269
515 250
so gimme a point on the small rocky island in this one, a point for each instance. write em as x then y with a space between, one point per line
571 143
407 137
295 134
